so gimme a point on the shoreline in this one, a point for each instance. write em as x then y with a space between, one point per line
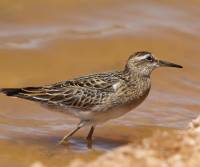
164 148
177 148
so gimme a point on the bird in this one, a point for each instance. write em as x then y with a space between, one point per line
97 98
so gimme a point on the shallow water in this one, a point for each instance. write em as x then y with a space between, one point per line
63 40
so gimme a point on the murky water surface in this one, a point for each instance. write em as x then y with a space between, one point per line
49 41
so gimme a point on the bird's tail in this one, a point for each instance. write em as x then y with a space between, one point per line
29 93
11 91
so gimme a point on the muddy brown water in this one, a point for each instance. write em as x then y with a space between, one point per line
49 41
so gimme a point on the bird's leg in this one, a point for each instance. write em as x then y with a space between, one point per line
66 137
89 137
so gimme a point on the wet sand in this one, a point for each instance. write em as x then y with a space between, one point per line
63 40
162 149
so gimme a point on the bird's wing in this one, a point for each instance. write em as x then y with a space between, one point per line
82 93
101 81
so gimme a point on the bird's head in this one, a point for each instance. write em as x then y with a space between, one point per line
144 63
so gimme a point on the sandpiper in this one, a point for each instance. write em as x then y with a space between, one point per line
97 98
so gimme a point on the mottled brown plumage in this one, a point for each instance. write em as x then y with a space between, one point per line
99 97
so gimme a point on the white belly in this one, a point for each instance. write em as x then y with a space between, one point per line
96 117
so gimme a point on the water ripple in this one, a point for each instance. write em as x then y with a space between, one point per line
140 18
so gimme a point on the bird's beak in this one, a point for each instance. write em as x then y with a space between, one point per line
162 63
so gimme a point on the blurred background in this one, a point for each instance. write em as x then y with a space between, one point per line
43 42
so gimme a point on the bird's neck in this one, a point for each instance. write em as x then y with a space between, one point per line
138 83
134 74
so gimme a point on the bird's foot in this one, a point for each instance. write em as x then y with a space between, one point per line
63 142
89 142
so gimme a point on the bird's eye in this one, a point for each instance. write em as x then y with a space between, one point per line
149 58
